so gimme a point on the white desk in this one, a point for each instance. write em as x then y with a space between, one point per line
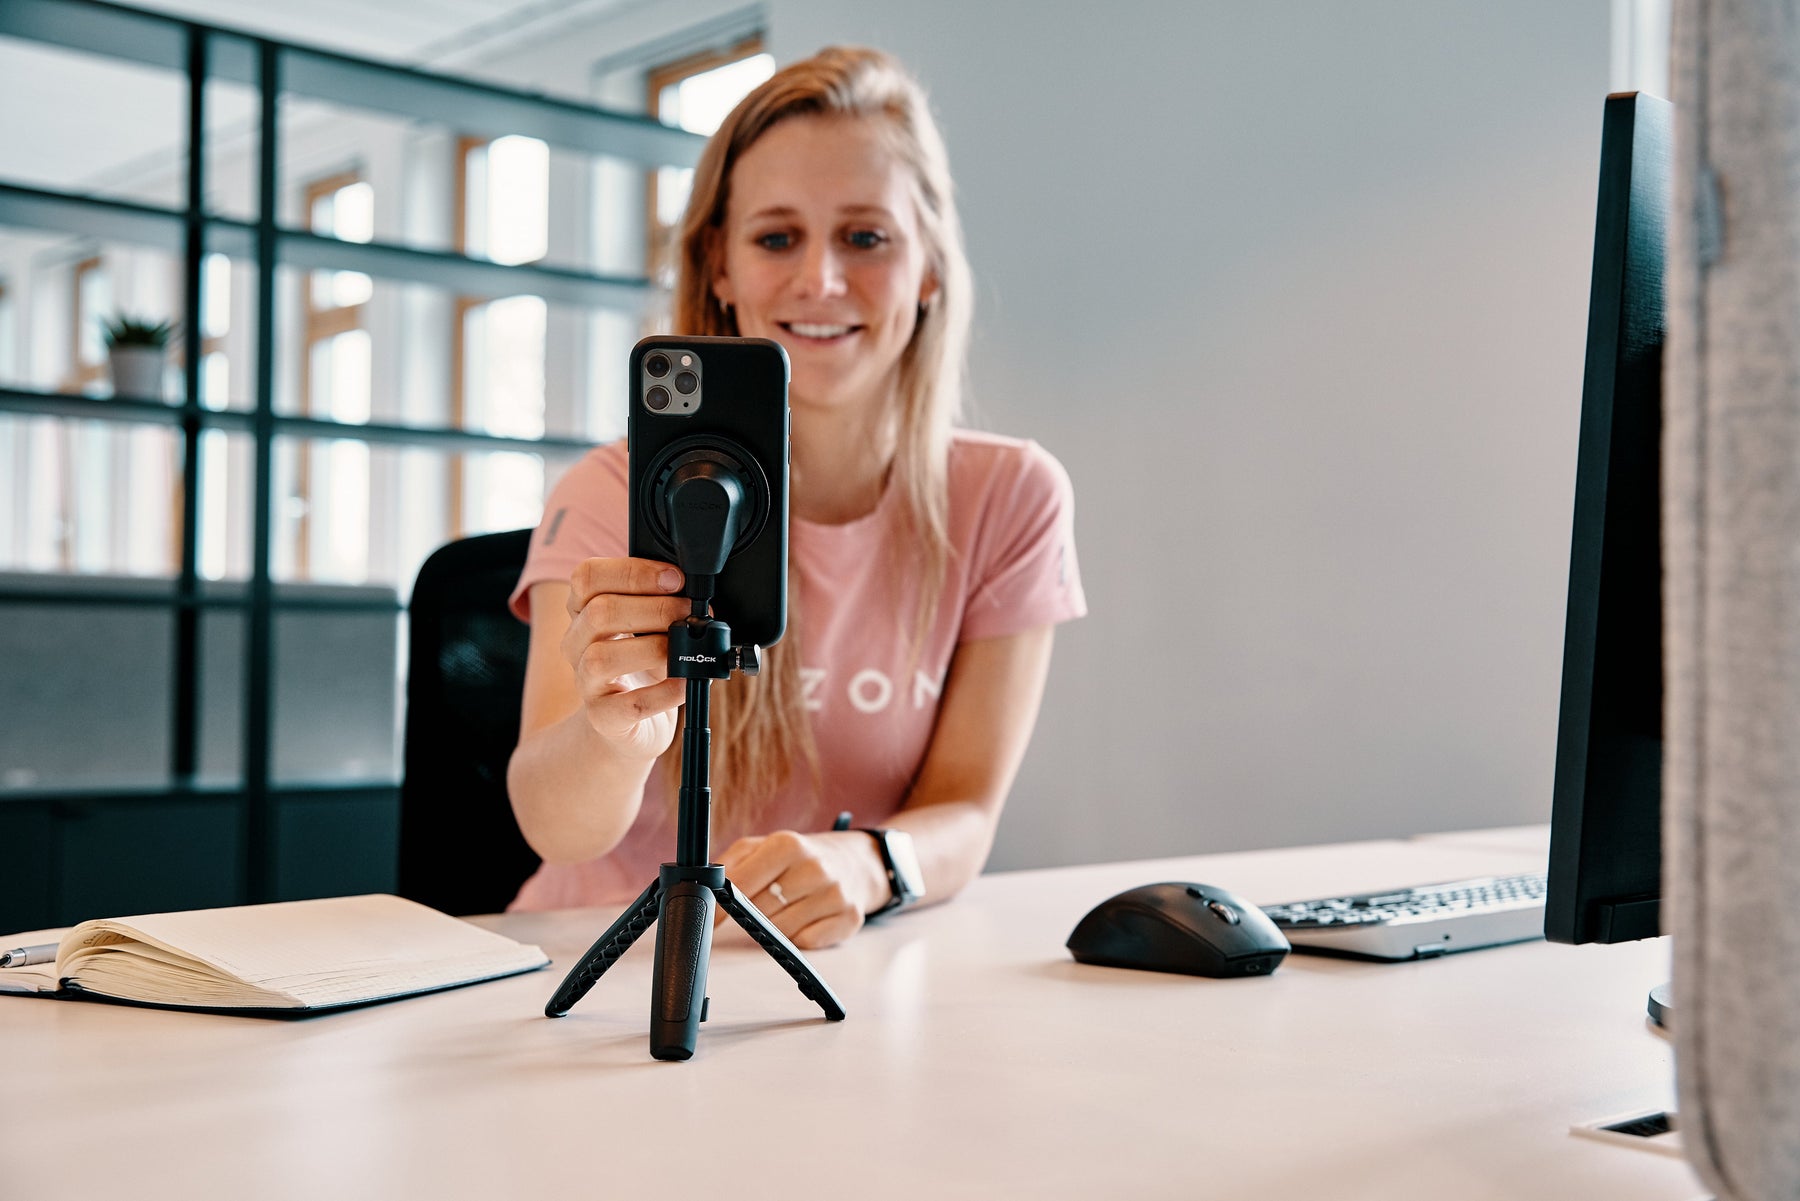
978 1061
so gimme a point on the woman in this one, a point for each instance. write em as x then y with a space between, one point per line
929 565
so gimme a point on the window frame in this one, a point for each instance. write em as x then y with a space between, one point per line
318 324
461 309
7 368
456 474
81 371
210 344
659 239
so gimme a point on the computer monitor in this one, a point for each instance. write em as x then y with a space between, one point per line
1605 873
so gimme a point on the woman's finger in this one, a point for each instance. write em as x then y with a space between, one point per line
809 905
616 715
643 577
828 931
620 664
751 863
612 614
773 899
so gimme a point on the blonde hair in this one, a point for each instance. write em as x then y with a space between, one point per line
761 721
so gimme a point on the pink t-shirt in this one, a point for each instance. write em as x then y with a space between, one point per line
854 604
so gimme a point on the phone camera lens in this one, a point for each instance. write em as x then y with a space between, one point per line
657 398
657 365
686 382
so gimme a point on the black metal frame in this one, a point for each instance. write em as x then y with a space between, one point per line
207 53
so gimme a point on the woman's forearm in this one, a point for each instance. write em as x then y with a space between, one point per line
574 795
952 839
984 723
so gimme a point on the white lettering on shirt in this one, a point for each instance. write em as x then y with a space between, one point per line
884 690
812 680
870 690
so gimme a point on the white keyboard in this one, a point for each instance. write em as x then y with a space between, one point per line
1419 922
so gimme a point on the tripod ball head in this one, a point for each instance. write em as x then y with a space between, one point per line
700 649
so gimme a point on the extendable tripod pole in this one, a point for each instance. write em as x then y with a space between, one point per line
679 902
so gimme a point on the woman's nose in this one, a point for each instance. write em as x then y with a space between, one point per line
821 272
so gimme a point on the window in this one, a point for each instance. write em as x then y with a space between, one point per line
87 486
498 346
506 199
9 338
15 474
91 306
215 498
696 94
90 496
215 327
331 478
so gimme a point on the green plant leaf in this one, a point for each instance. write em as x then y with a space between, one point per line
125 330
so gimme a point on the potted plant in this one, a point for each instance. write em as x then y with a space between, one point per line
135 349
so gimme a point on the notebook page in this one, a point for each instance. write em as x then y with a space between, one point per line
335 948
132 971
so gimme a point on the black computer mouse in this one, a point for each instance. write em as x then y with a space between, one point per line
1178 927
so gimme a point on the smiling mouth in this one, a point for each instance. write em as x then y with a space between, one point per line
823 333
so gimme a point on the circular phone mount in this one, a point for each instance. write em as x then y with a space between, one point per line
717 454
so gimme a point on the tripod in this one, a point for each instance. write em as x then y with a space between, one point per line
679 902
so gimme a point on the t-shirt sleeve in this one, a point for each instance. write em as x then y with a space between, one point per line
1024 574
584 517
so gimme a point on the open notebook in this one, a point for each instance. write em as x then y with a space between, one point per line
288 959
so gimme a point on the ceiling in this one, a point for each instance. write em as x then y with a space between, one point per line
410 31
100 124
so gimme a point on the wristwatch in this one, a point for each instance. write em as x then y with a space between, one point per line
905 879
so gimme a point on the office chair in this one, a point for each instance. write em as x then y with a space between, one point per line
460 849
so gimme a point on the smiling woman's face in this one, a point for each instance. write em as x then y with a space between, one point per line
821 252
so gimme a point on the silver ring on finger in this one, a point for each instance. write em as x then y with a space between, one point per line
775 891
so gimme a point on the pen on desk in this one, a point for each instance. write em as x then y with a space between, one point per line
26 956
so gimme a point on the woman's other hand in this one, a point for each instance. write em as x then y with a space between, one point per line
815 888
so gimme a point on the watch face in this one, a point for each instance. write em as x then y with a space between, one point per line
906 863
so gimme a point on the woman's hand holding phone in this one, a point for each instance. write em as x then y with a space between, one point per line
626 693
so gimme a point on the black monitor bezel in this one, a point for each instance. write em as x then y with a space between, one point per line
1605 847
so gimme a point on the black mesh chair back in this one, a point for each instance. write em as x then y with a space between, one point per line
460 849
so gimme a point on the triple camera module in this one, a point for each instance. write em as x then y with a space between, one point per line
671 383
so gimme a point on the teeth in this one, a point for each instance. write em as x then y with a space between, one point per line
819 331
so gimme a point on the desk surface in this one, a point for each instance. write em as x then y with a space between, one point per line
978 1061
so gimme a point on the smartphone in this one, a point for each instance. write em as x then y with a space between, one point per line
720 396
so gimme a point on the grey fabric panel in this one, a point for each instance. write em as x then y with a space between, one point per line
1731 511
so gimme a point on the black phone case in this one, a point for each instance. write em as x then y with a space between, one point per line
744 385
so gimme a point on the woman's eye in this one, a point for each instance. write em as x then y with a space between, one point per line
865 239
775 241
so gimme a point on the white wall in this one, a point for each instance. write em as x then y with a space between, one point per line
1298 294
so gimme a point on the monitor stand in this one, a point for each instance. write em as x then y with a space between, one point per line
1662 1005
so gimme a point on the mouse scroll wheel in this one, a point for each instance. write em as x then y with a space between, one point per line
1224 911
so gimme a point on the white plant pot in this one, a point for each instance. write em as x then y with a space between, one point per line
137 372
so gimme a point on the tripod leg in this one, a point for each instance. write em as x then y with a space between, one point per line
683 949
781 950
606 950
